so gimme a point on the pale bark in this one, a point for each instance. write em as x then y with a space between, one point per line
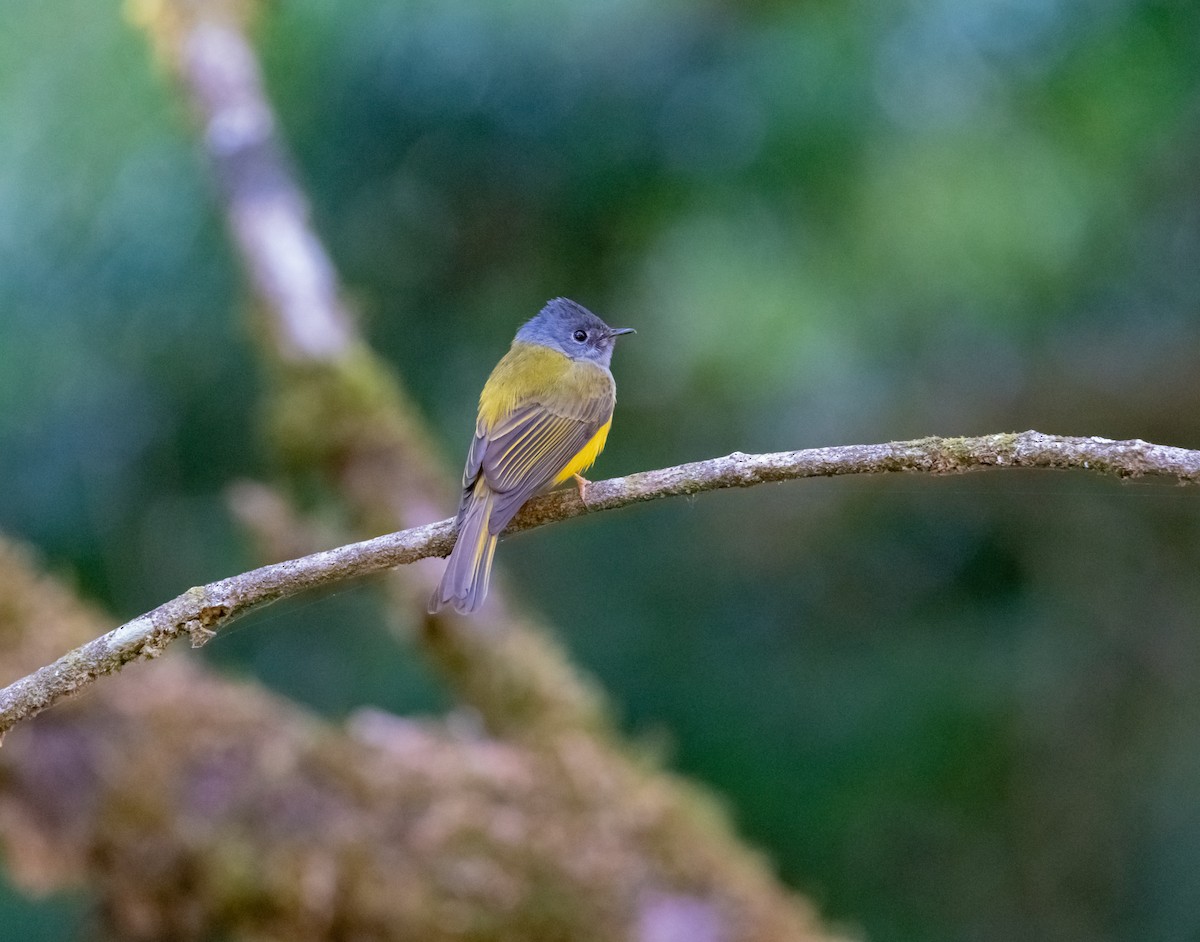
202 611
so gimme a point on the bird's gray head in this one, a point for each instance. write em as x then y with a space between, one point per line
574 330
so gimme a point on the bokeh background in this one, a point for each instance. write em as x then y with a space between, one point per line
946 709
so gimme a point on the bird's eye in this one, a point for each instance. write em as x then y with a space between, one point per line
580 336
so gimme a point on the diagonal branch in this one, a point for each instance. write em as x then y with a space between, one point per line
201 611
332 406
202 807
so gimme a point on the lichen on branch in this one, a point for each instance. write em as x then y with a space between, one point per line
202 611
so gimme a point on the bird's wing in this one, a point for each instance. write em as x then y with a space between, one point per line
526 453
523 451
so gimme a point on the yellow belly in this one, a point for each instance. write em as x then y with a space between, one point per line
587 454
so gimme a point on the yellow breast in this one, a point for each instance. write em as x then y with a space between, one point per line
587 455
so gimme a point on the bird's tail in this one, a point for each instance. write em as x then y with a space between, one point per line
465 582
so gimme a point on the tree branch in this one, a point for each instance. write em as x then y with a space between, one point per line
203 610
204 807
267 211
331 404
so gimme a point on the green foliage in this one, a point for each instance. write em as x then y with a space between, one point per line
829 223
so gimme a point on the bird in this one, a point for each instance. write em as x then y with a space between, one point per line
544 416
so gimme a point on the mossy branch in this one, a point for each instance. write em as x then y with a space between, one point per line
206 807
200 612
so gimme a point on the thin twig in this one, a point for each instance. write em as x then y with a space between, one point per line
203 610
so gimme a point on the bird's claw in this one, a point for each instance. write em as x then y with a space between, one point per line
581 483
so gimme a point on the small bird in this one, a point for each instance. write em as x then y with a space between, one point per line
544 415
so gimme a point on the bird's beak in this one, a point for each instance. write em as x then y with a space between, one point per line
617 331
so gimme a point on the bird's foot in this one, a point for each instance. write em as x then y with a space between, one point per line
581 483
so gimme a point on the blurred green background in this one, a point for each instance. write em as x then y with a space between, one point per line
947 709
